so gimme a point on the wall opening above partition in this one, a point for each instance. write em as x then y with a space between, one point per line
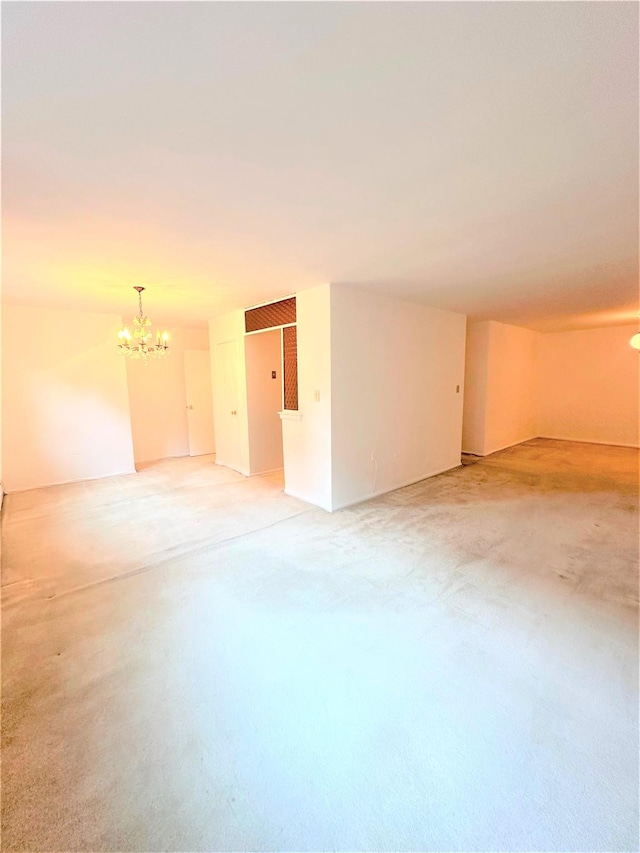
280 315
270 316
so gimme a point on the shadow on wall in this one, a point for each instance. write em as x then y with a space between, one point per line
79 428
65 426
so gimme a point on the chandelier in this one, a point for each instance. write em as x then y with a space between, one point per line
141 344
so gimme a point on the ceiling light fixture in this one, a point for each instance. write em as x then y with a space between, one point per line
138 346
635 339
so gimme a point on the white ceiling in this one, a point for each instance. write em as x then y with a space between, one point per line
481 157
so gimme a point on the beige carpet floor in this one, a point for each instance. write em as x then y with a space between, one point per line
192 660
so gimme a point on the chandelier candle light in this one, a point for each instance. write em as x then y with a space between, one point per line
635 340
139 346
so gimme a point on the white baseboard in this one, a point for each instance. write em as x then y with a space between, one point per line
504 447
298 497
72 482
551 438
242 471
377 494
160 459
589 441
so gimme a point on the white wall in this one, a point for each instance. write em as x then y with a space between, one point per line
1 481
307 435
263 353
65 407
395 367
500 406
157 399
581 386
232 432
512 414
476 372
588 386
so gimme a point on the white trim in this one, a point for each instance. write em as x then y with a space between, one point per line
269 329
163 459
589 441
396 488
242 471
504 447
268 471
271 302
71 482
306 500
290 415
551 438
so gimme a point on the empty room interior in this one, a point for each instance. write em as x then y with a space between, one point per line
319 426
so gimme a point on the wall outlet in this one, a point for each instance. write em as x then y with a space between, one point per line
373 457
316 396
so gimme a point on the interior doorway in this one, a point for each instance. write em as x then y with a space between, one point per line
228 438
197 382
263 353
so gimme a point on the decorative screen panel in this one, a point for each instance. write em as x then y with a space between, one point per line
268 316
290 367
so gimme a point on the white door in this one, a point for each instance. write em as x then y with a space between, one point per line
228 436
197 378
